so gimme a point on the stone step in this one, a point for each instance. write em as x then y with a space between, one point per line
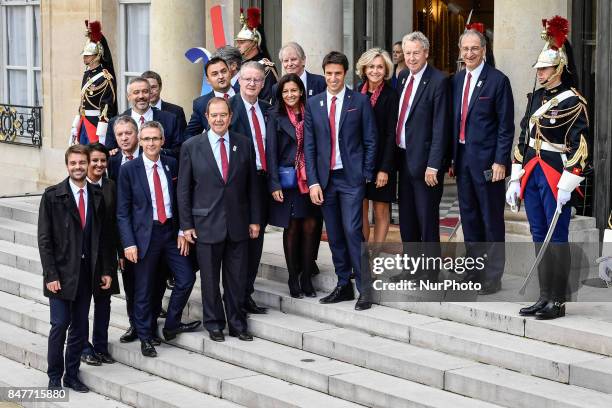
285 363
117 381
19 256
22 233
17 375
24 209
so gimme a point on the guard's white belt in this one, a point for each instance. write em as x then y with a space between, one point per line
92 112
551 147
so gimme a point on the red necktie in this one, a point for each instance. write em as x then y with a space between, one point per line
225 96
224 162
464 108
130 157
402 117
332 128
141 121
159 196
82 207
259 139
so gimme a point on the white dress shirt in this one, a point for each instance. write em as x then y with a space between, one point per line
158 104
473 82
262 126
148 115
98 183
415 86
124 157
164 185
230 92
304 77
339 102
75 193
235 79
215 144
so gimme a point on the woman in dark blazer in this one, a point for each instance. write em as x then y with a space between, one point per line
375 68
291 207
398 64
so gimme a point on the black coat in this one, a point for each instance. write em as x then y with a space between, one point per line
178 112
109 191
60 236
385 113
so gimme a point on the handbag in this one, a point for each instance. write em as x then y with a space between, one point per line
287 177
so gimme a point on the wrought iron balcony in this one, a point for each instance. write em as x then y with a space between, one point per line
21 125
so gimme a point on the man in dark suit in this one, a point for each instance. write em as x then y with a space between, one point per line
483 131
422 139
218 195
156 101
340 148
74 250
139 97
249 118
293 59
232 56
96 352
218 75
149 227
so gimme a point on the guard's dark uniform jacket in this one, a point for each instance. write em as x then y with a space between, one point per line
98 104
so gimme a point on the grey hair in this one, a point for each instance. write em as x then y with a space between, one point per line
152 124
133 81
230 55
483 40
253 64
125 119
296 47
416 36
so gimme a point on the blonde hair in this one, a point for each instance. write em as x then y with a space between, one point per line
369 56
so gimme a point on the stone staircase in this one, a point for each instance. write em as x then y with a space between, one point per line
305 354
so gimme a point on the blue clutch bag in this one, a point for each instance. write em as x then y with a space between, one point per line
287 177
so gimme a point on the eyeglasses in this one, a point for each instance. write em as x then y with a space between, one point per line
150 139
253 80
468 49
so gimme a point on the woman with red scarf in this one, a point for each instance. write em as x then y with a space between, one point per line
291 208
375 68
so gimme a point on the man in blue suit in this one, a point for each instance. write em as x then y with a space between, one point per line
293 59
147 215
249 118
340 148
483 132
139 97
218 75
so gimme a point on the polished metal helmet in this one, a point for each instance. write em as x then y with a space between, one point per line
93 46
249 26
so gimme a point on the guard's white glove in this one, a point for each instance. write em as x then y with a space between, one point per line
605 269
512 194
563 196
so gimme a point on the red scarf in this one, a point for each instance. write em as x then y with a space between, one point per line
375 94
300 166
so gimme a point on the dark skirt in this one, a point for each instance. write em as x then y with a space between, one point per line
295 205
385 194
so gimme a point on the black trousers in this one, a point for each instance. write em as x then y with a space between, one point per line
256 245
230 258
99 337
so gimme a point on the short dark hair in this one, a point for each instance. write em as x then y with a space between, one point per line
125 119
282 109
99 147
76 149
336 57
212 61
152 124
153 75
397 43
216 99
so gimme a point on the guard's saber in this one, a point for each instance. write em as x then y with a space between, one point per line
549 234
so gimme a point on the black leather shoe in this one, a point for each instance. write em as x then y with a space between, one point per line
170 334
251 307
490 287
531 310
163 313
244 336
362 304
105 358
340 294
147 349
129 335
552 310
54 385
170 283
156 341
75 384
90 359
216 335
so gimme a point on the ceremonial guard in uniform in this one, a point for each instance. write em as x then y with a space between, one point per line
249 42
98 89
548 163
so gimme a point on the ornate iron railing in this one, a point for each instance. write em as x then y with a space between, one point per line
21 125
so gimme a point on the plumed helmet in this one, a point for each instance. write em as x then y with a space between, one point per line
249 25
93 45
554 34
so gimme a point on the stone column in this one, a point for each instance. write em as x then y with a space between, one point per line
176 26
517 43
316 25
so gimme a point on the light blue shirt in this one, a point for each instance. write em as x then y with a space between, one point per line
215 144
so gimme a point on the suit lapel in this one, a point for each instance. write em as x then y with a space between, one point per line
233 158
286 125
346 104
242 115
478 88
209 156
142 177
323 109
70 203
420 89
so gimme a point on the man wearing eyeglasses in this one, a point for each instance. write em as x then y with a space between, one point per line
249 119
147 215
483 132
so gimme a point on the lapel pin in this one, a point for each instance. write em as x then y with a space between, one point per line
167 168
310 92
479 83
234 148
321 103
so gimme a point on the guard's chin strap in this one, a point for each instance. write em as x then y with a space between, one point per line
250 48
555 75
